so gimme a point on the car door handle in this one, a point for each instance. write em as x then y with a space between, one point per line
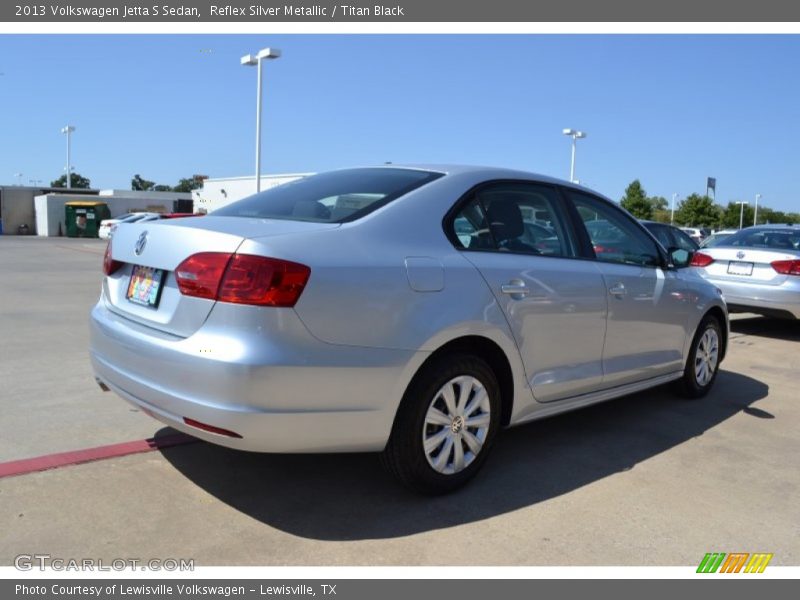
515 287
617 290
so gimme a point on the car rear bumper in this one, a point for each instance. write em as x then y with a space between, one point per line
777 300
281 391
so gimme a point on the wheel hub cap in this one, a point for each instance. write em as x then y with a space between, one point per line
706 357
456 424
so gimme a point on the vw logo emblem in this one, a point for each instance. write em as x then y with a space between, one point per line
140 243
740 254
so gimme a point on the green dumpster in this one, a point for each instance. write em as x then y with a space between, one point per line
83 217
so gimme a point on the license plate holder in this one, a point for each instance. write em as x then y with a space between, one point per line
740 268
144 287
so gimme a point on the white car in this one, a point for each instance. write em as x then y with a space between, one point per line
107 226
693 232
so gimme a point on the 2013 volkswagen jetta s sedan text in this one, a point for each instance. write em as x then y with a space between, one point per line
405 310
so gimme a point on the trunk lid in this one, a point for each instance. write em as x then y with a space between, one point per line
166 244
742 264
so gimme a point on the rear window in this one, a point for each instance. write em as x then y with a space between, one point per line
772 239
334 197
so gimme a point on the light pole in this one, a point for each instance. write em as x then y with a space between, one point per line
575 135
741 213
255 61
672 209
755 214
19 178
68 130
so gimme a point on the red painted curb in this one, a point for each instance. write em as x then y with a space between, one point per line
75 457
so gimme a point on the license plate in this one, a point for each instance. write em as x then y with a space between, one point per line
740 268
145 286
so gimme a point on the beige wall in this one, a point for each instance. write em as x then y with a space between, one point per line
17 209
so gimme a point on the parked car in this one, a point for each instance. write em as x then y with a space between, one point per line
697 234
107 226
671 236
403 310
757 269
717 237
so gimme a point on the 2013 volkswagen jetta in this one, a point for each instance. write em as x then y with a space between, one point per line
413 311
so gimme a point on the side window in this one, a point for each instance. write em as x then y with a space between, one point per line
683 241
613 236
470 228
662 234
514 217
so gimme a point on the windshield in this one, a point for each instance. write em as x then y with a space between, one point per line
774 239
334 197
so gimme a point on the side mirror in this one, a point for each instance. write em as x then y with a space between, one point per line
680 258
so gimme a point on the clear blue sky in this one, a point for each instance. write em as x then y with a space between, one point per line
668 110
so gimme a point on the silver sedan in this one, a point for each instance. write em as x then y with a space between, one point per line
758 270
412 311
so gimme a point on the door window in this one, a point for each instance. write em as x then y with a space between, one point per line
513 217
614 237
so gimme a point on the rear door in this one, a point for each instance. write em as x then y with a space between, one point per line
518 237
648 307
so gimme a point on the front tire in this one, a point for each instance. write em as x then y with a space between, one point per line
704 358
445 426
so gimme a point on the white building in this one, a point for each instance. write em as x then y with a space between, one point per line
216 193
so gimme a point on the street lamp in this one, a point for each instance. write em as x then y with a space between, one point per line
68 131
255 61
741 213
575 135
672 209
19 178
755 214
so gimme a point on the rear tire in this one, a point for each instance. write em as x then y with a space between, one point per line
702 365
445 426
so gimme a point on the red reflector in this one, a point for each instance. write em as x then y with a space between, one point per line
786 267
109 264
242 279
701 260
210 428
200 274
263 281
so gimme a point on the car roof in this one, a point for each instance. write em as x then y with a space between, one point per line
488 172
773 227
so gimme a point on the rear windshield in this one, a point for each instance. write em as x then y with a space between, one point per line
773 239
334 197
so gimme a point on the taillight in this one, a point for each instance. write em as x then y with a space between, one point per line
109 264
701 260
242 279
263 281
786 267
200 274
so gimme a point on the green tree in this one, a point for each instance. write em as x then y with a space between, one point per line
662 216
658 203
190 184
162 188
699 211
732 213
141 185
78 181
635 201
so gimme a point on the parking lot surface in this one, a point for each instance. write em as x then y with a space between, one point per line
649 479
